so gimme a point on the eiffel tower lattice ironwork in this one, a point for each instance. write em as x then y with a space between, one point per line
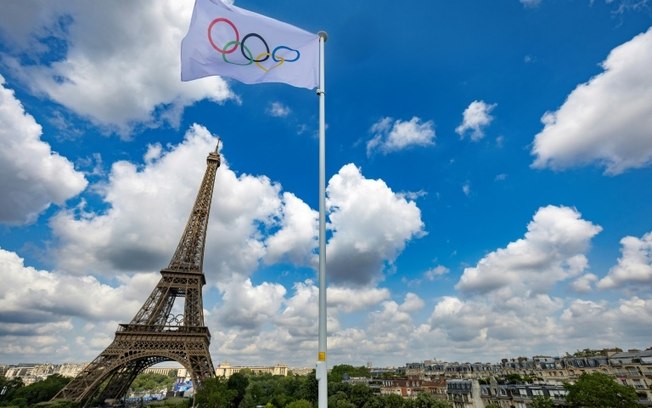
155 334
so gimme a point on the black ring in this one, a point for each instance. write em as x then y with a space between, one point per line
242 45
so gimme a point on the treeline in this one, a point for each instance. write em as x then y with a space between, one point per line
248 390
245 390
16 394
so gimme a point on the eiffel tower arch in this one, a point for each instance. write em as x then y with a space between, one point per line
156 334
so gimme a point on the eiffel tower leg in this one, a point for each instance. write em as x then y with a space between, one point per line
121 379
82 387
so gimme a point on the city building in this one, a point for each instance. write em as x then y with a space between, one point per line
226 370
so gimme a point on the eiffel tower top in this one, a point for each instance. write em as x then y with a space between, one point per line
189 256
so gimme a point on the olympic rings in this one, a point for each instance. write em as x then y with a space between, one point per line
235 30
280 55
266 53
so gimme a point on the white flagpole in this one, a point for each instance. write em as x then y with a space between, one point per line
321 371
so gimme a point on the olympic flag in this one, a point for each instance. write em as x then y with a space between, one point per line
229 41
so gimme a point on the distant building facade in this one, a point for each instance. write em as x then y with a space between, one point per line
31 373
226 370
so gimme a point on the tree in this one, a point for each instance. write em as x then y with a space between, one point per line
214 393
394 401
299 404
542 402
58 404
152 381
238 383
8 387
598 390
359 394
40 391
427 401
309 388
337 372
339 400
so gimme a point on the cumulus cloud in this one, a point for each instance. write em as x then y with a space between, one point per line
436 272
297 236
634 266
552 250
247 306
606 120
630 317
148 209
119 63
355 299
371 225
506 304
476 117
584 283
33 176
391 135
38 306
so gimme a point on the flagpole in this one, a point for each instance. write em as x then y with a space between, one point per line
321 371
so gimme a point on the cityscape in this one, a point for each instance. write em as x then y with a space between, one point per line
463 384
470 206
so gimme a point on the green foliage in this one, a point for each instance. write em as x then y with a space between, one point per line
171 403
591 353
338 372
238 383
58 404
299 404
493 405
152 381
514 379
427 401
12 385
394 400
542 402
39 391
597 390
300 392
214 393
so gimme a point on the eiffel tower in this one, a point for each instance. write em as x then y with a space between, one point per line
156 334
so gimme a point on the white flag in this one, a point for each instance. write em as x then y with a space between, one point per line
228 41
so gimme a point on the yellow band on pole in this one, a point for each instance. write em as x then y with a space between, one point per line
321 356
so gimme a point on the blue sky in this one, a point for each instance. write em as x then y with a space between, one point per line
488 170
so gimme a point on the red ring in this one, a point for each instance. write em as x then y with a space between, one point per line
235 30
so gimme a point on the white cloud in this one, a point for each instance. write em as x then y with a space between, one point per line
629 318
412 303
297 237
476 117
371 225
584 283
248 307
466 188
552 250
391 135
120 64
148 209
507 307
33 176
634 266
38 308
436 272
355 299
606 120
279 110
